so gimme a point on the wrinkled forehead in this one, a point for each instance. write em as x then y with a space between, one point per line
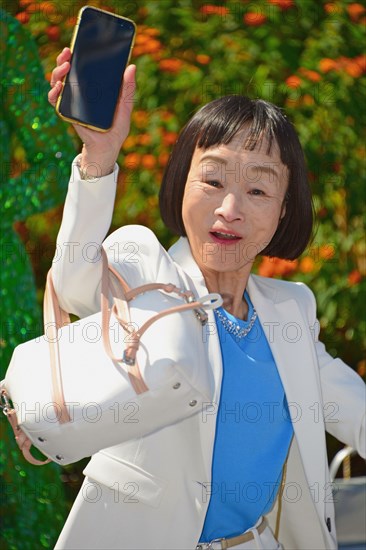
245 144
261 157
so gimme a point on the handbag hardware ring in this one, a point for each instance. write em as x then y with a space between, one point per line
5 404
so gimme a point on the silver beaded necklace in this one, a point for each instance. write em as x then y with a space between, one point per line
235 329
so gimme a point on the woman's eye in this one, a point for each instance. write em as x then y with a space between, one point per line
213 183
257 192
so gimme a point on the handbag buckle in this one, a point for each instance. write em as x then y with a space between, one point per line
199 312
210 301
201 316
5 404
130 361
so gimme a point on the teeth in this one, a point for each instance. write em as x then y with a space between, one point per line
226 235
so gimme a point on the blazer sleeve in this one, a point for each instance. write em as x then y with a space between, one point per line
76 266
343 391
133 250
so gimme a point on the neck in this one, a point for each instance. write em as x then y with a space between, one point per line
231 286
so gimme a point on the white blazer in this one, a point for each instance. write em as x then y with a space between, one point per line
153 493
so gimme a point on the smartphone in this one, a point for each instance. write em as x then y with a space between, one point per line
100 50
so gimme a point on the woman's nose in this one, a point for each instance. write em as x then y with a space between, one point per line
231 208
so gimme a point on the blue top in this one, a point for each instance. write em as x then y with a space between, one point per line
253 434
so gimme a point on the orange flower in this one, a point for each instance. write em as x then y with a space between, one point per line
145 44
166 116
140 118
354 277
70 22
209 9
326 252
203 59
152 46
332 8
355 11
265 268
353 69
47 7
283 4
361 60
170 65
270 267
307 265
293 81
53 33
146 36
22 17
169 138
144 139
152 31
25 3
254 19
132 160
284 267
141 39
310 75
129 142
33 7
326 65
148 161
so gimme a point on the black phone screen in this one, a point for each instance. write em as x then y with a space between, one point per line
99 58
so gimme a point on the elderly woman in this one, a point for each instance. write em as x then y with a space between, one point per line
235 187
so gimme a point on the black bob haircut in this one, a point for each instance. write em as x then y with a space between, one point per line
217 123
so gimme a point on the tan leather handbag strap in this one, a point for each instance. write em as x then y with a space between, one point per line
54 318
118 294
121 295
135 335
23 442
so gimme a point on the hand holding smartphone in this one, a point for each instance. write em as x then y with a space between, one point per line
101 148
101 47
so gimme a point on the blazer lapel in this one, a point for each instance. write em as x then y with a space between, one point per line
292 347
189 270
186 265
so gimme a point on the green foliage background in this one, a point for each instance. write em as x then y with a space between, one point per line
304 55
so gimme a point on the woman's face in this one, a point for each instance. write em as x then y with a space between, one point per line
232 204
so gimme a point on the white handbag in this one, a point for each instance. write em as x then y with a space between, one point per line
116 375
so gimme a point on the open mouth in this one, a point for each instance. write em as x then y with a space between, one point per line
224 237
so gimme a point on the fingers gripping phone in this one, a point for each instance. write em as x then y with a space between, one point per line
100 50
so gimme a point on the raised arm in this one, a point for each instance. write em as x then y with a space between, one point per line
89 203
